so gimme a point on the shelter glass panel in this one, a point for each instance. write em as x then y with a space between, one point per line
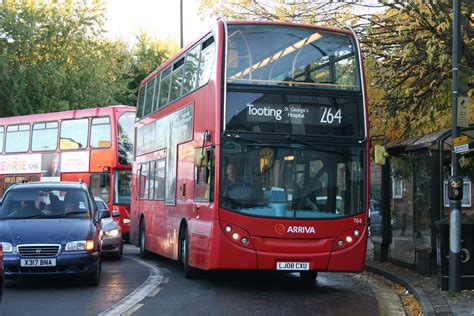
402 247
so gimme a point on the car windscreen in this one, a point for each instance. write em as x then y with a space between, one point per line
34 203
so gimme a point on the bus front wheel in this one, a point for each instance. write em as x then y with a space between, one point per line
189 272
308 276
143 252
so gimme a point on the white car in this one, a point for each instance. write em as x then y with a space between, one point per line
112 243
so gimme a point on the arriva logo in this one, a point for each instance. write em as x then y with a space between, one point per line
301 229
280 229
264 111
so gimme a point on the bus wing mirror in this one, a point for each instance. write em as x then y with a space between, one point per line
201 157
380 155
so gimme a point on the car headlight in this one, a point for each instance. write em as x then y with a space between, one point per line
126 220
7 247
112 233
80 245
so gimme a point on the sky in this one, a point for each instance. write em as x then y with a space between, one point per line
159 18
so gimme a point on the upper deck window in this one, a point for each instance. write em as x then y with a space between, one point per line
101 136
165 87
45 136
291 56
177 79
191 70
18 138
207 60
188 72
149 97
141 100
74 134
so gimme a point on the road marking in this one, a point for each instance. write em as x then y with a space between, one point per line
132 310
128 302
152 294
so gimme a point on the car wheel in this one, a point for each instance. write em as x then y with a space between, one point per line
118 254
143 252
93 279
308 276
189 272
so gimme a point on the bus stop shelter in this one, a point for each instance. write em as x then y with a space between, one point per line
410 225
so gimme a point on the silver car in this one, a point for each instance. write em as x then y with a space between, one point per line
112 243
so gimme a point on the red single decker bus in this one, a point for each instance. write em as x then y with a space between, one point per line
252 152
95 145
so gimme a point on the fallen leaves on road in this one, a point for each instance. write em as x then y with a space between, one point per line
410 303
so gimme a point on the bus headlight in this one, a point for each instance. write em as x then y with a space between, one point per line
237 235
349 238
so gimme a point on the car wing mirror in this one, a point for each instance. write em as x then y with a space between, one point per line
104 213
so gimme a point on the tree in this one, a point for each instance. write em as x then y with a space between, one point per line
411 44
52 57
149 54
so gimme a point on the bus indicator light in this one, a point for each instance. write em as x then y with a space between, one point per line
228 229
356 232
340 243
244 241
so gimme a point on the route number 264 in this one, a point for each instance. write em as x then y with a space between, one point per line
331 115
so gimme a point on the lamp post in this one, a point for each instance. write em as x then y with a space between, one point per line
181 23
455 213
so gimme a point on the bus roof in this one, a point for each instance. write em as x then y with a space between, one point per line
53 116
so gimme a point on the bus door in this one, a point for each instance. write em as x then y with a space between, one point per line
202 209
204 181
100 186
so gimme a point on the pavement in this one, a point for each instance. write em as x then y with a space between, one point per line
432 299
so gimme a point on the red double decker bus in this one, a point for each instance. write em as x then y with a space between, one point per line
95 145
252 152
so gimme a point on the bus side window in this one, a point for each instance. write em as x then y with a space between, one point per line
143 181
204 179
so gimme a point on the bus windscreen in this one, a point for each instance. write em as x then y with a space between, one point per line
293 56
